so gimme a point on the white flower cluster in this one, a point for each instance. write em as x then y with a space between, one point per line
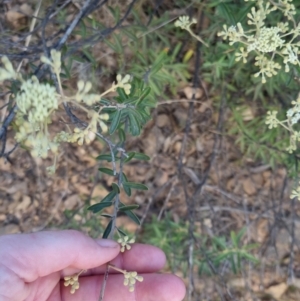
124 82
82 93
54 62
293 116
274 46
184 22
125 243
73 281
268 40
36 100
271 119
130 279
8 71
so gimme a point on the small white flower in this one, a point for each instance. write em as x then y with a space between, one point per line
125 243
271 119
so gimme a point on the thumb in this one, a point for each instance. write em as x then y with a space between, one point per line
35 255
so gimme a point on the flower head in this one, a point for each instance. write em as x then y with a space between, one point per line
73 281
184 22
271 119
130 279
36 100
124 82
125 243
8 71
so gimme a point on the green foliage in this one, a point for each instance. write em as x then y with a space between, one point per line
217 252
172 237
132 110
257 141
90 223
220 69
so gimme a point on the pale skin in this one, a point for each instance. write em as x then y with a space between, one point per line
32 267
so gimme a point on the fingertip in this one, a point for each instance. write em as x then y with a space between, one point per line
163 287
180 288
149 257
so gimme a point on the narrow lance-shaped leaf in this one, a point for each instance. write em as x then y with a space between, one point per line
134 125
141 156
115 187
106 215
234 239
121 232
126 188
134 185
104 157
107 230
128 207
115 122
145 93
107 171
109 197
100 206
130 157
122 135
133 217
130 214
233 264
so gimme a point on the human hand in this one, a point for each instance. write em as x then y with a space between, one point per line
32 267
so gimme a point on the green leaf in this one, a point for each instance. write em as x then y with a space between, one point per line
227 13
115 187
128 207
240 234
82 29
109 197
141 156
115 12
106 215
233 264
66 69
122 95
133 217
118 43
115 122
122 135
145 93
107 171
219 241
89 56
107 230
104 157
126 189
250 257
129 34
234 239
130 157
134 185
130 214
100 206
134 125
158 62
121 232
124 178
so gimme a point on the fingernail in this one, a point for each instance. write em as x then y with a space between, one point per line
107 243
